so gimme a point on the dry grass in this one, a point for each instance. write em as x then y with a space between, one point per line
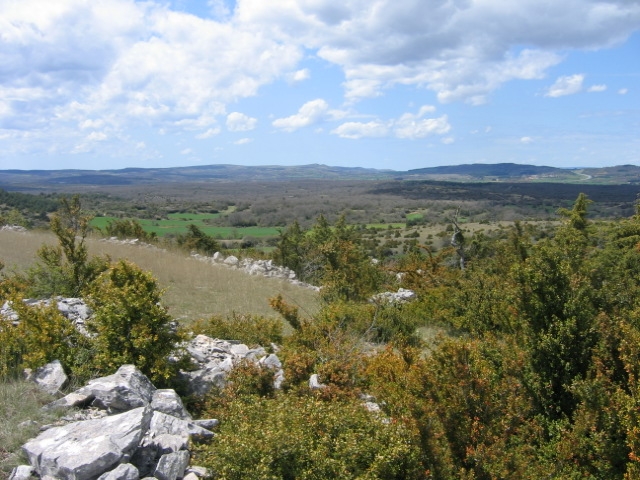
193 289
20 419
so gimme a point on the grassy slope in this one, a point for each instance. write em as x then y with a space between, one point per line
193 289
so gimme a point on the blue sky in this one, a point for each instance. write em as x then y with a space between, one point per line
388 84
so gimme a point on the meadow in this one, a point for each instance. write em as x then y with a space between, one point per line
193 289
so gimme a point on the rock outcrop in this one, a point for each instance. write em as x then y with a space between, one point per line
213 359
130 430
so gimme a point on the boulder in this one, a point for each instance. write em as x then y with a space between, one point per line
124 471
126 389
51 377
172 466
169 402
21 472
231 261
84 450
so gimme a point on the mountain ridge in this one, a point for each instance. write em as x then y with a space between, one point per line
474 172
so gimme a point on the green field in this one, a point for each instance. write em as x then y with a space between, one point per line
178 223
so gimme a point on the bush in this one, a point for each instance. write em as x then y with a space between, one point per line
130 324
289 437
43 335
249 329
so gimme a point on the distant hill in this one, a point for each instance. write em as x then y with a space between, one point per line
27 180
482 170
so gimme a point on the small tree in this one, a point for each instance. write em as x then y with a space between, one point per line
66 269
196 239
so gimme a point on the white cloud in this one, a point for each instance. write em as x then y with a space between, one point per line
460 49
299 76
526 140
310 113
408 126
239 122
243 141
186 151
415 126
356 130
623 91
127 64
597 88
97 136
218 9
72 66
448 140
567 85
209 133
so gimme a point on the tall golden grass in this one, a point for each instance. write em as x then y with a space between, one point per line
193 289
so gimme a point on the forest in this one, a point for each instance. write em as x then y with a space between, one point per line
518 358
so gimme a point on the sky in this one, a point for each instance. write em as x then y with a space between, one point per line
385 84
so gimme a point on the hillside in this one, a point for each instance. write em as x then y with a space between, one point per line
47 180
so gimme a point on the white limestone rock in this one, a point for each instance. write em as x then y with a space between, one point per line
169 402
51 377
124 471
85 450
172 466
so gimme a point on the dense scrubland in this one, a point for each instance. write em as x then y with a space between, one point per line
517 359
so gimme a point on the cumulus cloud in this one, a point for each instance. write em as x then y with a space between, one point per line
407 126
356 130
444 46
526 140
310 113
567 85
239 122
243 141
127 64
414 126
623 91
299 76
597 88
70 66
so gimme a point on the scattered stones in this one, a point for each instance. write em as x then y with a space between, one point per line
265 268
13 228
403 295
172 466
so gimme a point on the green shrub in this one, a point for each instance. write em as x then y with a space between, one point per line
249 329
288 437
42 335
130 324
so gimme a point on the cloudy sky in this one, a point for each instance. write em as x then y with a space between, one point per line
397 84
